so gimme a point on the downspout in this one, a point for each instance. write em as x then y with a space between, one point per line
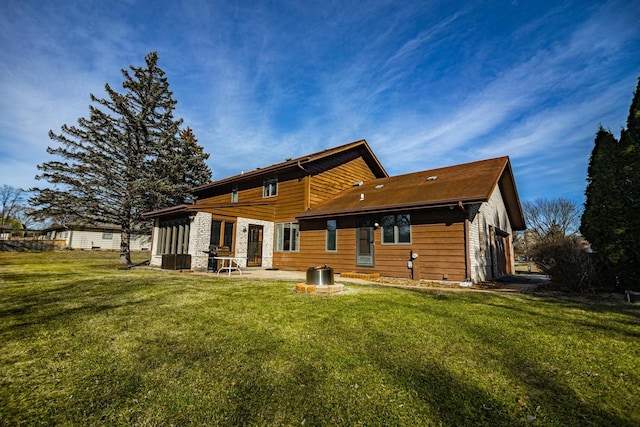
467 251
302 167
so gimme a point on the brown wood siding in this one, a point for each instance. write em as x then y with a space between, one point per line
290 200
254 194
440 249
335 160
222 198
247 193
297 190
264 213
331 182
263 209
313 253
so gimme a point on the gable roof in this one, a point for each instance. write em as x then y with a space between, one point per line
466 183
304 162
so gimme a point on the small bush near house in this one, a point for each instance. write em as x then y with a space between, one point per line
570 268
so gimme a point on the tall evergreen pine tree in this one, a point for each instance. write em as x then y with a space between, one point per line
601 219
612 208
630 174
125 159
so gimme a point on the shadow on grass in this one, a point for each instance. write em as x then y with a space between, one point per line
247 374
453 400
243 360
558 402
623 320
49 303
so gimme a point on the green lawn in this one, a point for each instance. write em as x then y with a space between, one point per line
84 343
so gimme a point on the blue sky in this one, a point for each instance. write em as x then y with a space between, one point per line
426 83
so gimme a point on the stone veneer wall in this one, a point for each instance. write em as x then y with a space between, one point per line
200 236
199 239
491 213
242 234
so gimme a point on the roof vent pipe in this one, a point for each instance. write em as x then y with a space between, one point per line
361 196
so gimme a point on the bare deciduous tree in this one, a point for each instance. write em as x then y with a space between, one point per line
552 218
23 214
10 201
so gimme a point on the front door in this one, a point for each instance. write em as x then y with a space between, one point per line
364 246
501 255
499 252
254 246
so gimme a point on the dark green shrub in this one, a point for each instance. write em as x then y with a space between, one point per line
569 266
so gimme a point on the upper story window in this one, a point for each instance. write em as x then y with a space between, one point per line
234 194
332 241
270 187
396 229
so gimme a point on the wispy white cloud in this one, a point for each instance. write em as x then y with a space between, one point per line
559 88
427 84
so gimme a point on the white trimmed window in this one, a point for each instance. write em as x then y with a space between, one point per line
270 187
287 237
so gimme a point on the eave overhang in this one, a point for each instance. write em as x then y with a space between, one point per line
201 207
173 210
372 210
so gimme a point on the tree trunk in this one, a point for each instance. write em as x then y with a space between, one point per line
125 238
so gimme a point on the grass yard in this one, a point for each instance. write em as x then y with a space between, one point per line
86 344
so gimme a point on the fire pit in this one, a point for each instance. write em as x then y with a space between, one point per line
320 276
319 281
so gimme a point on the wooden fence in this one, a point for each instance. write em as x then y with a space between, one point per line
30 245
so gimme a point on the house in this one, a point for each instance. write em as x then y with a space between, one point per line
10 227
105 237
340 207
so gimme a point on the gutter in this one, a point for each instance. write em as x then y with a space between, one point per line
389 208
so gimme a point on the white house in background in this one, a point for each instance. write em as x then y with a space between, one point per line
105 237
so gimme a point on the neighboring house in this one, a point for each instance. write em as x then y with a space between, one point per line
10 227
339 207
93 237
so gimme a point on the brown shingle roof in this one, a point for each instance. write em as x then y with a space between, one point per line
466 183
369 156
